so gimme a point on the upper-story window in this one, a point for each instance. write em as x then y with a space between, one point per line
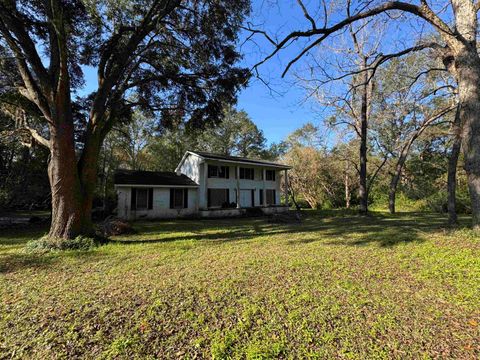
247 173
270 175
215 171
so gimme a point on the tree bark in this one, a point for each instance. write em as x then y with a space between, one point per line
68 220
398 170
468 68
363 190
395 180
452 171
464 64
347 187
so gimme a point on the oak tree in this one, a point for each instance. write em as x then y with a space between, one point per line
167 57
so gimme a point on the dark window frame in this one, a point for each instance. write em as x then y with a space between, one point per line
244 171
273 194
181 205
218 171
134 198
209 199
270 175
173 198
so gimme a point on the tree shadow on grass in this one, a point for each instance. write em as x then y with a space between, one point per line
347 229
328 229
12 262
15 262
381 229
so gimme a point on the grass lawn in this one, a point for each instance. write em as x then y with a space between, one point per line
335 286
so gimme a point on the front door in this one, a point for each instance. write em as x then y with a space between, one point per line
246 198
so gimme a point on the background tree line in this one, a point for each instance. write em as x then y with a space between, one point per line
168 71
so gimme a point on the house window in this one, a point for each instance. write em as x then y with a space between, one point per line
141 198
261 196
178 198
271 198
270 175
247 173
218 197
215 171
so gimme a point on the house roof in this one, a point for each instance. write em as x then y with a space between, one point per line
165 178
233 159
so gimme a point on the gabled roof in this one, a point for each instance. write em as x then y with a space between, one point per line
233 159
165 178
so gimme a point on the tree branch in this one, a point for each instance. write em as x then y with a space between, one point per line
423 11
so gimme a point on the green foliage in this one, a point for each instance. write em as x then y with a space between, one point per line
437 202
403 202
337 286
47 243
23 175
235 134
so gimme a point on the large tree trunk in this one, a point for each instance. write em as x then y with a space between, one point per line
468 69
72 181
452 170
68 220
87 166
363 190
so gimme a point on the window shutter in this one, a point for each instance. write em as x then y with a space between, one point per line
253 197
274 197
185 198
227 171
172 196
150 198
227 191
261 196
208 198
273 175
133 199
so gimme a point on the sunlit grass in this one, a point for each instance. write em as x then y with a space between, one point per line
336 286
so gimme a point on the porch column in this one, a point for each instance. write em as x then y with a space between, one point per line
264 200
203 203
286 187
237 169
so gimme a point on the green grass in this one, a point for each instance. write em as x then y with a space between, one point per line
335 286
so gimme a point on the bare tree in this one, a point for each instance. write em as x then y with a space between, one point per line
411 96
457 50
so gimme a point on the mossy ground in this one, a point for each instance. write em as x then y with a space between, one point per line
336 286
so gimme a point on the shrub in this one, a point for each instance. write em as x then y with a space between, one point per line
115 226
47 243
438 202
403 203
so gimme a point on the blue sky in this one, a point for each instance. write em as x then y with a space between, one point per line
286 109
278 113
281 107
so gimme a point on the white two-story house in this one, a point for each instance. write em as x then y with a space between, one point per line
205 185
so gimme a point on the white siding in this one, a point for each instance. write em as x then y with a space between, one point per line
245 184
195 168
191 167
161 204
